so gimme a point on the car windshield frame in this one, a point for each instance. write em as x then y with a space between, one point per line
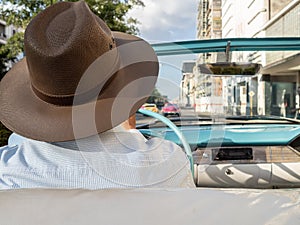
228 46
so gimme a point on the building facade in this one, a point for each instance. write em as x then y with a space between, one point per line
209 26
6 32
187 85
206 93
281 72
274 91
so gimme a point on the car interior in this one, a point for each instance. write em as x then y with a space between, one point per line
242 165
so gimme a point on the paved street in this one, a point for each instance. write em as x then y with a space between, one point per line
188 112
141 119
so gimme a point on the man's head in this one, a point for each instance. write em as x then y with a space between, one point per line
78 78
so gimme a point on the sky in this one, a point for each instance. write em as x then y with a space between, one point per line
168 21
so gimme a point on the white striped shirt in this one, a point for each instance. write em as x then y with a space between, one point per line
112 159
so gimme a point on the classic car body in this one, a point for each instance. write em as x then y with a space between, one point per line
237 151
228 154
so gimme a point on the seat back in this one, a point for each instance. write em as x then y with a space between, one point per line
149 206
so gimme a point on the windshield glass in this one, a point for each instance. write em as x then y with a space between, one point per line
272 91
228 82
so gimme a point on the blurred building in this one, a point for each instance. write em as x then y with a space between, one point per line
281 73
277 84
7 31
3 32
279 78
187 85
207 89
209 26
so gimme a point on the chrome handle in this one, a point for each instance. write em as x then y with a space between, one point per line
228 172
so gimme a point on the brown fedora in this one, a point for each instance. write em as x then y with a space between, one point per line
78 78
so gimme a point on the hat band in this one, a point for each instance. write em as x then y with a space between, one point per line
67 100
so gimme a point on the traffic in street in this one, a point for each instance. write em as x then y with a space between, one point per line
184 112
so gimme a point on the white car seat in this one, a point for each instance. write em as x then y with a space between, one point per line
149 206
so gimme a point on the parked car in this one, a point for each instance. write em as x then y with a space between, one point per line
150 106
170 109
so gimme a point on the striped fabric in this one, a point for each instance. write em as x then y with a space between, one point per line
114 159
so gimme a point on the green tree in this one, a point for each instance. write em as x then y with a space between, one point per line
3 62
4 134
113 12
155 97
10 51
20 12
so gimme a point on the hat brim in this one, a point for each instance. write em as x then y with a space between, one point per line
26 114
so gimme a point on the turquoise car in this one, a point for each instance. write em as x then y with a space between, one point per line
231 144
246 168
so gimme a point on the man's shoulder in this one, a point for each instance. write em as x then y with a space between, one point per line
8 153
6 148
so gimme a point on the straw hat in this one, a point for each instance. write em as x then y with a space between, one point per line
78 77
